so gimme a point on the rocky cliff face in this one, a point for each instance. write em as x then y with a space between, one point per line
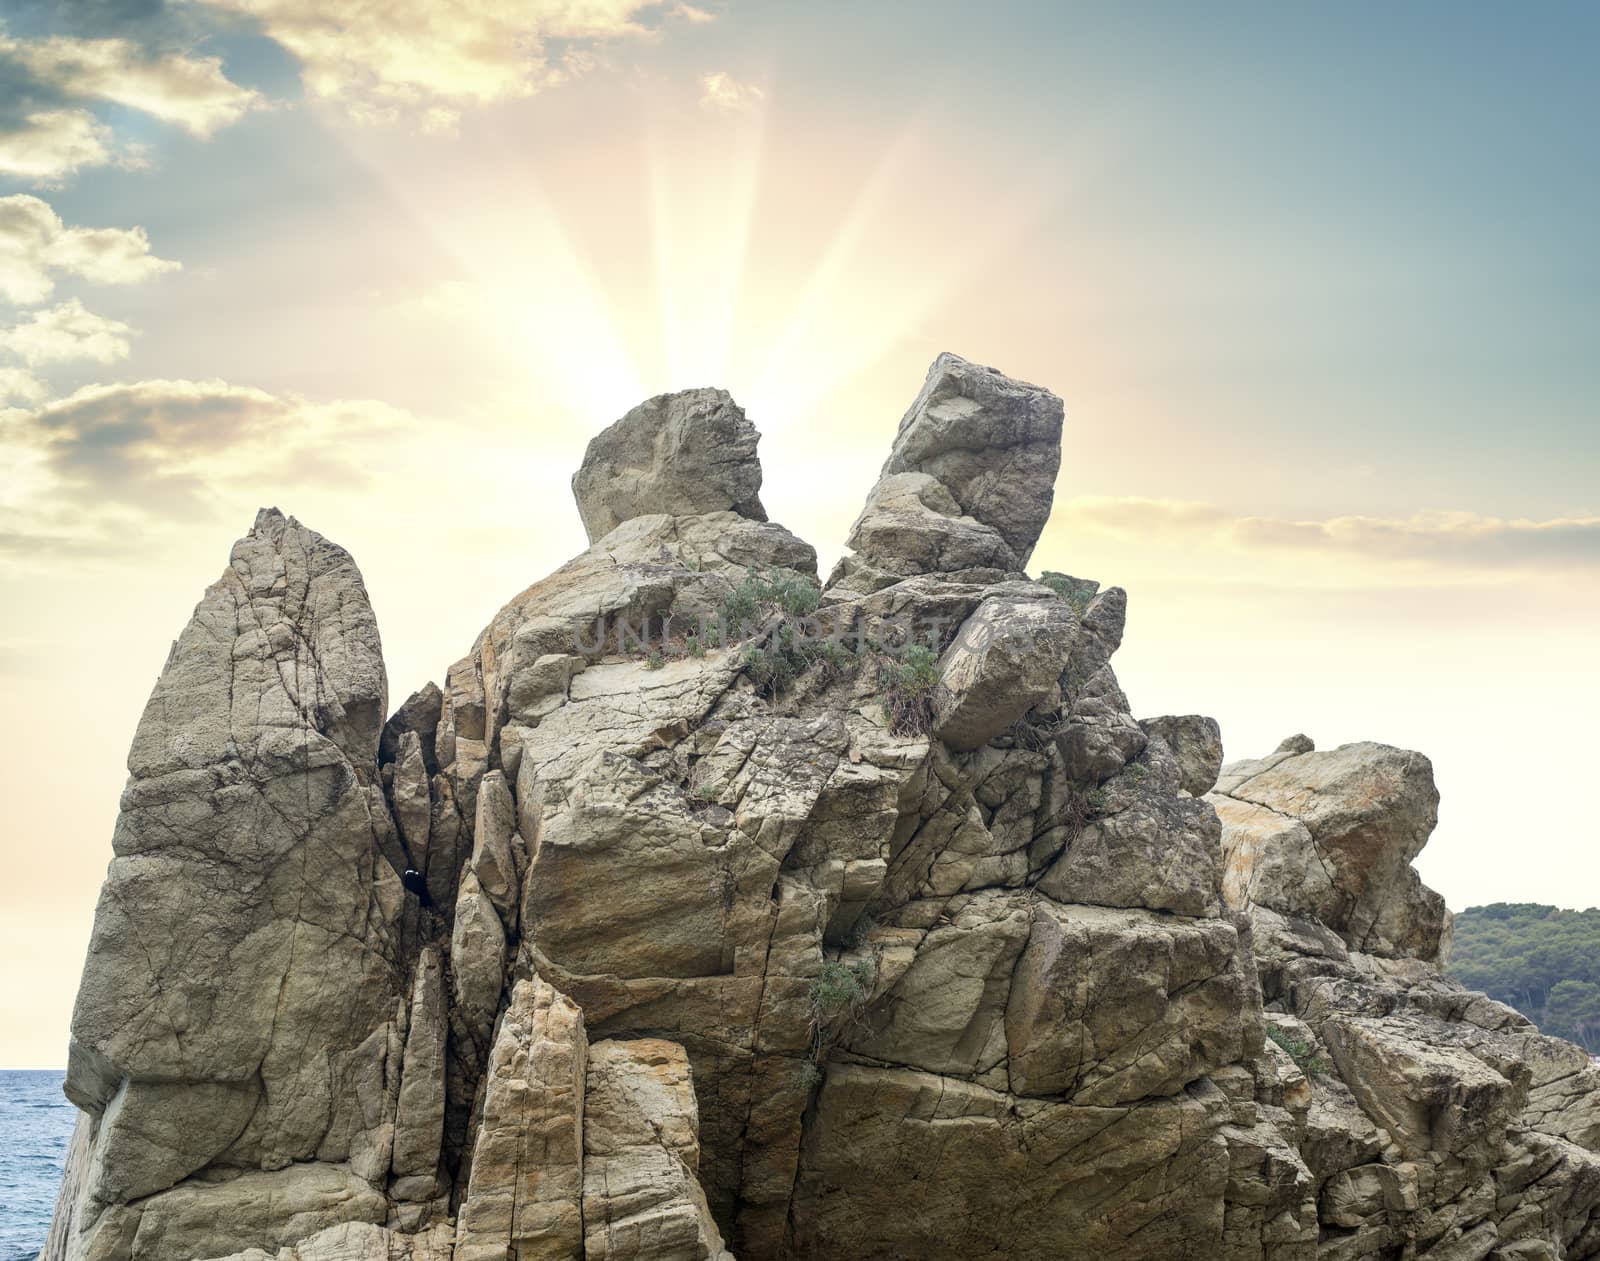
759 917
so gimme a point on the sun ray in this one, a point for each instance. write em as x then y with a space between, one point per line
700 229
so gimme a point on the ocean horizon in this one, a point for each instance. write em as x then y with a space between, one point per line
35 1125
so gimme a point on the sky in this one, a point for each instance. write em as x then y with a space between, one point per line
1316 283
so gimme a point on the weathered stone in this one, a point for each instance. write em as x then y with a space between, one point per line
1108 1007
409 799
903 1164
1197 742
477 959
993 442
259 1209
1005 660
1003 989
419 716
1160 853
419 1121
1367 810
245 945
641 1198
968 485
683 454
525 1195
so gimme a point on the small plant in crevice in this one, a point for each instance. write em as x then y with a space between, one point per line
861 930
1077 592
1033 737
656 660
811 1075
911 691
832 660
756 598
1300 1051
771 616
836 998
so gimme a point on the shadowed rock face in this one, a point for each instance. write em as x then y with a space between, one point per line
740 945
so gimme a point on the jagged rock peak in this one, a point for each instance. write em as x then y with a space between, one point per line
682 454
968 484
245 958
723 939
994 441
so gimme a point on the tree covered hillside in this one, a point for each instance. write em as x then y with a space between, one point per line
1542 961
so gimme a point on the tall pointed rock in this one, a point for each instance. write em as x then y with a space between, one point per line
244 964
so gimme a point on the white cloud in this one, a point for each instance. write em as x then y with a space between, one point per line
429 61
1452 540
18 385
47 127
188 92
64 333
722 92
51 144
147 455
34 243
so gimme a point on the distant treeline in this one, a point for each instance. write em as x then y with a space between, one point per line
1542 961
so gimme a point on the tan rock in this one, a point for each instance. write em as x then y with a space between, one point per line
525 1194
641 1197
685 454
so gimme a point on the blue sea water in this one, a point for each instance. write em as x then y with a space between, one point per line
35 1123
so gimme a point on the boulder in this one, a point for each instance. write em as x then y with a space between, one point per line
1366 810
1197 742
245 961
993 442
683 454
1006 660
968 485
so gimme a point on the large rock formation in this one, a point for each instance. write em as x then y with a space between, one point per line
778 920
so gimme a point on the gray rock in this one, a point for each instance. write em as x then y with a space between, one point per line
1197 742
245 956
1367 811
992 441
1009 990
1005 660
419 1121
641 1124
682 454
968 485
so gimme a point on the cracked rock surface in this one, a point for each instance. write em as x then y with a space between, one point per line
750 933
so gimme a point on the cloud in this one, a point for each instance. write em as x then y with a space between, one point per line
187 92
18 385
34 243
48 86
1450 539
47 145
65 333
109 459
722 92
429 61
